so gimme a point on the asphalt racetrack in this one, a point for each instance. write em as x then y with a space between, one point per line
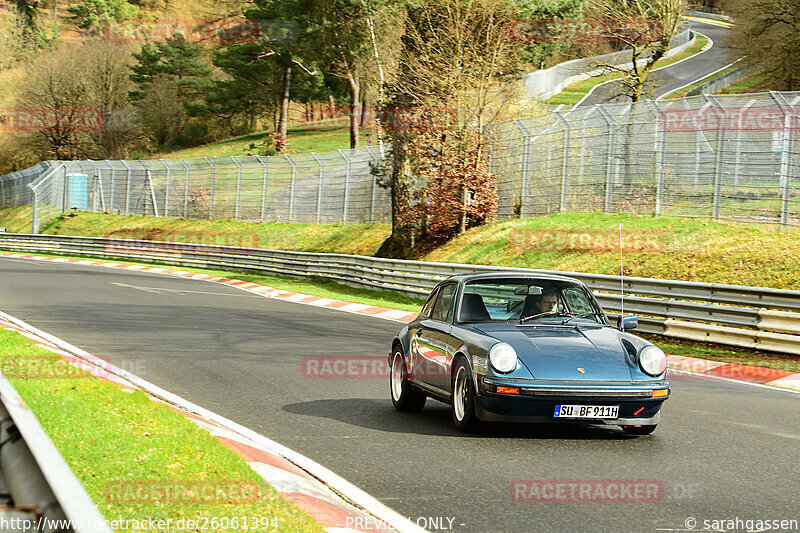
666 80
723 450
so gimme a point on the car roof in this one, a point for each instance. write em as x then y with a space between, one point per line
462 278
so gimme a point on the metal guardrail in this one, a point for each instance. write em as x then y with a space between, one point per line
754 317
46 495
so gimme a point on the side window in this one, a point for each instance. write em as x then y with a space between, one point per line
578 301
443 309
426 309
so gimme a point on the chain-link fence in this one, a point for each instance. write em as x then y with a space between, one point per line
335 187
706 156
724 156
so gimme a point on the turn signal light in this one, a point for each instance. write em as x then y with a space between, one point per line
658 393
508 390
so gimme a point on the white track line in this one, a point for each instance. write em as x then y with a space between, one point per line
706 48
696 80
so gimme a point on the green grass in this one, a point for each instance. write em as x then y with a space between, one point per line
656 247
116 441
682 92
754 83
301 139
358 239
573 93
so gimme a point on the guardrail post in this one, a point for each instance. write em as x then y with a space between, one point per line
375 184
186 189
238 187
611 148
291 193
264 161
166 192
346 187
319 188
213 186
127 187
526 156
564 161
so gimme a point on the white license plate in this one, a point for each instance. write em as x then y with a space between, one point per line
587 411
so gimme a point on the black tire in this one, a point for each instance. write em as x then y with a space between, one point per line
405 397
463 398
639 430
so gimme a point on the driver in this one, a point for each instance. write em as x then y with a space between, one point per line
547 303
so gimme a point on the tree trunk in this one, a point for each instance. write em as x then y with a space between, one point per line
283 121
364 113
399 185
331 107
355 110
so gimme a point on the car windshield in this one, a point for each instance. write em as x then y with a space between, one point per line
529 300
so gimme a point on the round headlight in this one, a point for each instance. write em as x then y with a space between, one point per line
653 360
503 357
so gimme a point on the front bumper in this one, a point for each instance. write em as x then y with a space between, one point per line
536 401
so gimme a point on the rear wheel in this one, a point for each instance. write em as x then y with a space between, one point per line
464 398
639 430
404 396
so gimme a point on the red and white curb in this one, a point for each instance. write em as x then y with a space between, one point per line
262 290
757 375
334 503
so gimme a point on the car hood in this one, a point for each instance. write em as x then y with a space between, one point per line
556 353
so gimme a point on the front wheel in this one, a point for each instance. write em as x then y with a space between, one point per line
639 430
464 398
404 396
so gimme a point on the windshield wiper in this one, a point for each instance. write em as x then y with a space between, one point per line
543 315
575 315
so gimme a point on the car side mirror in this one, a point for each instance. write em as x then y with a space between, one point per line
626 322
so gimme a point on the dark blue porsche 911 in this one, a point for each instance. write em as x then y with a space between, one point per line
527 348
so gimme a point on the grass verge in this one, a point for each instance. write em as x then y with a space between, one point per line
754 83
138 459
573 93
300 139
358 239
678 248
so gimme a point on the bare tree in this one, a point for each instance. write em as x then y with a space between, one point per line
106 73
645 28
456 69
56 98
